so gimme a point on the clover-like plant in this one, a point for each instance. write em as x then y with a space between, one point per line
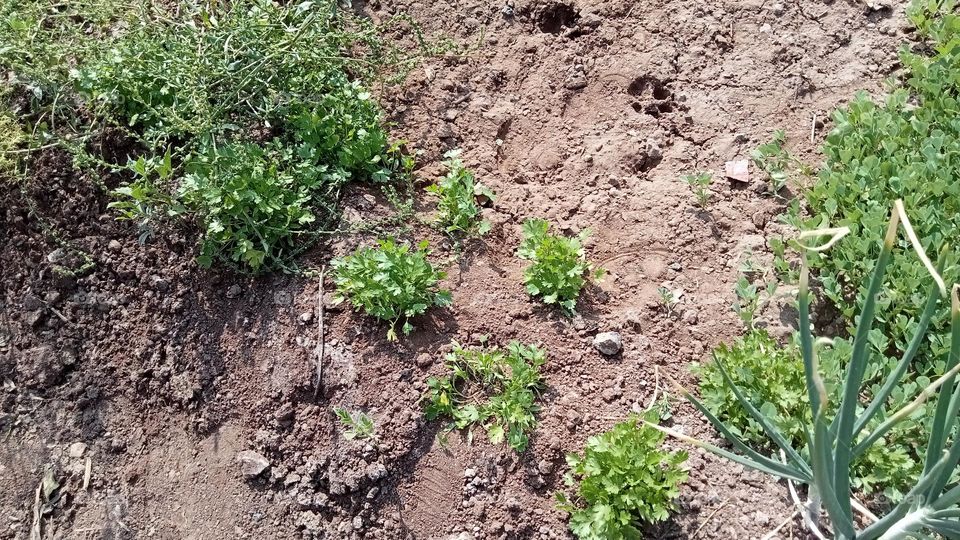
836 439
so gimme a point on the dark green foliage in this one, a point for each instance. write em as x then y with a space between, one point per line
490 387
771 378
390 282
458 211
258 109
560 268
903 147
624 478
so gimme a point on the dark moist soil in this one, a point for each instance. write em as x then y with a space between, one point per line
585 113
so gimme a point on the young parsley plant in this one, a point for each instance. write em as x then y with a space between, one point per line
623 479
390 282
458 210
560 268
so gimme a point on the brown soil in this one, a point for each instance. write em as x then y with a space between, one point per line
585 113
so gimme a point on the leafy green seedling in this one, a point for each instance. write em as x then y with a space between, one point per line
145 200
782 268
458 210
560 268
356 426
390 282
623 479
667 299
700 186
492 388
773 159
748 300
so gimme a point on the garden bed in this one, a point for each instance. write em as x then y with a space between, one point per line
157 372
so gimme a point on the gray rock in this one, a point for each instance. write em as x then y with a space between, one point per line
31 302
612 394
234 291
376 472
57 256
608 343
77 449
576 81
252 464
114 245
306 317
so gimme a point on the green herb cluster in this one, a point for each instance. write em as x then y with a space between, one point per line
560 268
623 479
391 282
771 377
492 388
457 210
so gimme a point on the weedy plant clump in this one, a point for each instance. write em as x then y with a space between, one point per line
391 282
492 388
257 107
622 480
458 211
843 425
559 268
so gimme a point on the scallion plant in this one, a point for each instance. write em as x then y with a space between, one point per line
835 439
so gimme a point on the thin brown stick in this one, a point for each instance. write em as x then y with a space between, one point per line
321 336
704 524
774 532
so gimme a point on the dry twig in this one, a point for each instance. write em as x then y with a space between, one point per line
696 533
321 336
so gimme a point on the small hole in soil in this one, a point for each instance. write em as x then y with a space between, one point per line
646 83
553 18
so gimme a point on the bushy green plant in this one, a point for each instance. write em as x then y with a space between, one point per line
457 208
902 147
560 268
623 479
835 436
255 104
390 282
492 388
771 377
